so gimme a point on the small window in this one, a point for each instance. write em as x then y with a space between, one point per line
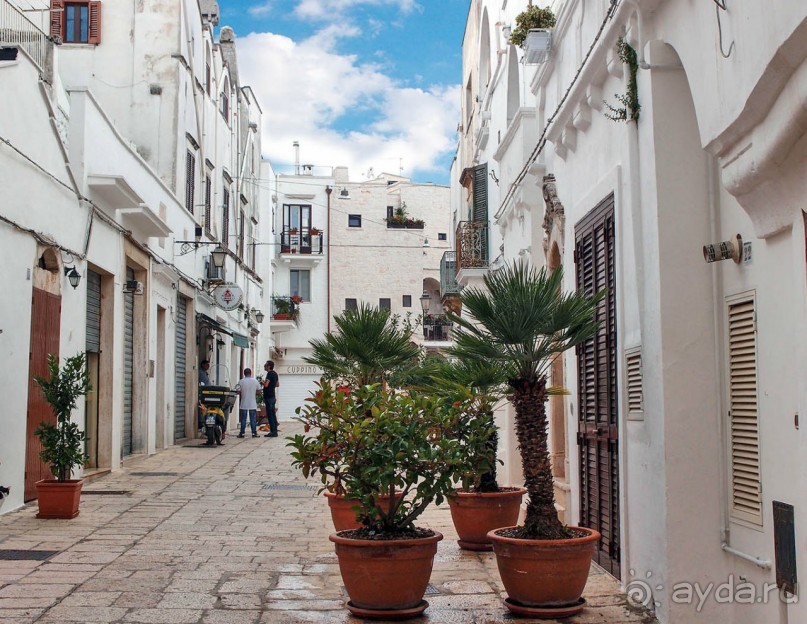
351 304
407 301
300 281
76 22
354 220
385 304
390 212
442 236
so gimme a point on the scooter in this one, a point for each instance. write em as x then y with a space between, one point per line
214 400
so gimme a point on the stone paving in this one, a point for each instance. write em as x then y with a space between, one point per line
227 535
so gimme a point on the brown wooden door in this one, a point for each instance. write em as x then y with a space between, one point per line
45 322
598 427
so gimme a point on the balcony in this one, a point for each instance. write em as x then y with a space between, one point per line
437 328
472 252
285 311
301 243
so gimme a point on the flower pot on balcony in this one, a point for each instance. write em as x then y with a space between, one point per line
537 46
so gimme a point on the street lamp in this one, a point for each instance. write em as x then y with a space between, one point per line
219 254
73 276
425 302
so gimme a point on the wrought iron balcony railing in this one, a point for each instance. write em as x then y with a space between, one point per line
472 245
301 240
437 328
448 274
285 308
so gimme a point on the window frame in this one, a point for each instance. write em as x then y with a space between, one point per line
352 220
294 275
385 303
406 301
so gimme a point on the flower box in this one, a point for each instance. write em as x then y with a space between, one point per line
537 46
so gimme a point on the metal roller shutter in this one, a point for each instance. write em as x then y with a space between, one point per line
93 312
128 367
293 391
181 368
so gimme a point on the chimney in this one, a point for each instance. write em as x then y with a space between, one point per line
296 157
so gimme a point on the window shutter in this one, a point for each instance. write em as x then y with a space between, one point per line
56 19
742 368
633 377
95 23
207 203
225 219
481 193
190 180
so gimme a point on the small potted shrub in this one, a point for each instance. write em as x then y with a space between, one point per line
520 322
62 443
399 444
532 33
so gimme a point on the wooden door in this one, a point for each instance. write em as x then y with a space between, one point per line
45 322
598 430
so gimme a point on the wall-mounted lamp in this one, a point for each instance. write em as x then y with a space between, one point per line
724 250
259 316
344 193
73 276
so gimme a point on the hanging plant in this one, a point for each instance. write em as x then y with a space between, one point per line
629 111
533 17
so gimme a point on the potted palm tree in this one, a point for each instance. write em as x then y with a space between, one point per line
62 443
368 346
480 504
521 321
390 443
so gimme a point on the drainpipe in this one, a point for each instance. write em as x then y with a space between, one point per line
328 191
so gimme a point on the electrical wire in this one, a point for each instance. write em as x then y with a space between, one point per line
721 4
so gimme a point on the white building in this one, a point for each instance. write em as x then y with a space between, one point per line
128 152
681 439
337 245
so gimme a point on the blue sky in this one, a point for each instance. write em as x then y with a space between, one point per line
360 83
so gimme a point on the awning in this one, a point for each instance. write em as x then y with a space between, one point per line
240 341
213 323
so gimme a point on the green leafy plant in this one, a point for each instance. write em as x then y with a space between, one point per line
62 443
368 346
520 321
533 17
374 441
629 111
401 217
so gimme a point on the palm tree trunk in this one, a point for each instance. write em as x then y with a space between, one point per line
529 400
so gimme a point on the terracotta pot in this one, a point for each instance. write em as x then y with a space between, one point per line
545 573
476 513
386 579
343 513
58 499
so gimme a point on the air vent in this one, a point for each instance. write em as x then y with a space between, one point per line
633 380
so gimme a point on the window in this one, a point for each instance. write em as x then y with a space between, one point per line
351 304
407 301
300 281
225 217
441 236
384 304
76 22
225 100
390 212
190 180
241 232
354 220
207 78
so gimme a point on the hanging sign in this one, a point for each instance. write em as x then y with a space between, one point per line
228 296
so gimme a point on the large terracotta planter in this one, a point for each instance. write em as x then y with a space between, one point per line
545 578
58 499
476 513
386 579
342 513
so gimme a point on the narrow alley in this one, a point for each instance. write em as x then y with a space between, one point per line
229 535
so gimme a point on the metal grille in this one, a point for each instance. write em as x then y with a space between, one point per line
472 245
106 492
26 555
154 474
289 487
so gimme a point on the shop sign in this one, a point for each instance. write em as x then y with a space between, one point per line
228 296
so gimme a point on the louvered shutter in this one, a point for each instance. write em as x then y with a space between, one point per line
225 219
742 369
56 19
94 35
190 180
207 203
481 193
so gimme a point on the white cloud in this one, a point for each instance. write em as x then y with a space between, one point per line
305 87
333 9
261 10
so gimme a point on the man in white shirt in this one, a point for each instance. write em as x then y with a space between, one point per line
248 388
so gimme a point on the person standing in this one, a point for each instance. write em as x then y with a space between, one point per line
270 383
204 380
248 389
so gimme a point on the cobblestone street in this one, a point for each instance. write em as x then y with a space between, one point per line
228 535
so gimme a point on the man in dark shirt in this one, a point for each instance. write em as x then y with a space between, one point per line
270 383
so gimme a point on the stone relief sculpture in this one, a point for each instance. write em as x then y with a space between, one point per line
553 215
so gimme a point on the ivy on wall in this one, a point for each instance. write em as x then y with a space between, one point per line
629 111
